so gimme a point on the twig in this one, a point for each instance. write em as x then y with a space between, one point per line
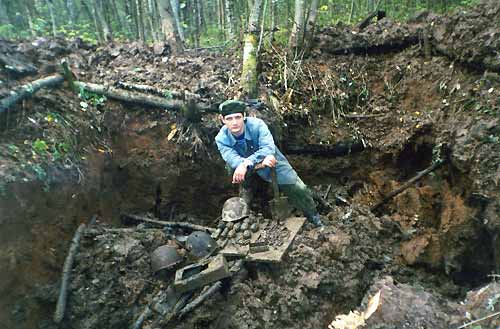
184 225
95 231
325 196
68 264
478 320
407 184
200 299
362 116
144 315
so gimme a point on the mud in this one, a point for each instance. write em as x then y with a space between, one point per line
407 110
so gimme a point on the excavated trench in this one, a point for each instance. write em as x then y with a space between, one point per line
38 226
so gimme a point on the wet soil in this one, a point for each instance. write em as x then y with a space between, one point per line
107 158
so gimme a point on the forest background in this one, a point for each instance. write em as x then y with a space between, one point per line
193 23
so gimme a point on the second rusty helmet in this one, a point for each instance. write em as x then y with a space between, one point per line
165 258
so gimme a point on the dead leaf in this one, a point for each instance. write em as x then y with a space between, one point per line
353 320
372 305
172 134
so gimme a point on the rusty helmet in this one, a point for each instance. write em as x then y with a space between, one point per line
200 244
234 209
165 258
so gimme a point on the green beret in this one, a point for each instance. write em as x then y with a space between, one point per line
232 106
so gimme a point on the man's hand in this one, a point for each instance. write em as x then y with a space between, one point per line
240 172
269 161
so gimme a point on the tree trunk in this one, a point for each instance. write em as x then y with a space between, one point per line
119 20
50 5
296 37
151 20
101 19
351 14
70 8
272 9
229 20
311 24
249 69
199 15
4 18
29 13
106 17
174 5
167 25
140 20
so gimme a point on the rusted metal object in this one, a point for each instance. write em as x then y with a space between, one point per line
197 275
165 258
200 244
280 209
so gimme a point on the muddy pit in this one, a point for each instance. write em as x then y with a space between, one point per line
434 245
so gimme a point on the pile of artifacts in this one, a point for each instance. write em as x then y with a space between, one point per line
186 263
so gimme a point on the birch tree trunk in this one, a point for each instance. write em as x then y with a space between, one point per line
50 5
174 4
167 24
229 20
100 15
249 69
311 25
296 37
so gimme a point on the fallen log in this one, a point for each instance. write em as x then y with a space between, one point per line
139 98
28 90
133 219
68 264
200 299
158 92
130 97
367 21
327 150
407 184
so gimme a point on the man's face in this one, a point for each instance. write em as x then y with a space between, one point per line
235 123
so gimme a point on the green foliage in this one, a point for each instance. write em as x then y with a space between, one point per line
93 98
39 147
7 31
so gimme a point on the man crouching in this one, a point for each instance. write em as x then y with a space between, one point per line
243 142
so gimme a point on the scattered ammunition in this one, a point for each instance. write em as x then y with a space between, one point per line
217 233
231 234
225 232
230 225
254 227
244 227
247 234
237 226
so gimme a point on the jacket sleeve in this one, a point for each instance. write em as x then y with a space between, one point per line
266 144
229 154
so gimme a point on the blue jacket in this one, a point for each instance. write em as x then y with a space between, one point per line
259 144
